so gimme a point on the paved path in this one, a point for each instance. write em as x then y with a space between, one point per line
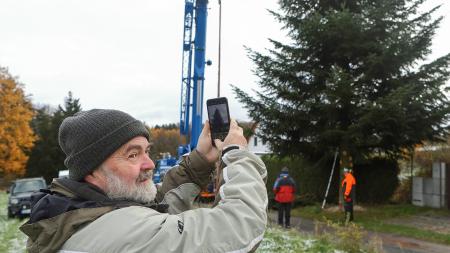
391 243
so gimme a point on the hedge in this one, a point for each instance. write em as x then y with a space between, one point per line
376 179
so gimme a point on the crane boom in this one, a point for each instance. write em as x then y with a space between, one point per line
195 18
186 67
191 106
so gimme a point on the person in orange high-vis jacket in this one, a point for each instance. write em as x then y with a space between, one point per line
348 190
284 189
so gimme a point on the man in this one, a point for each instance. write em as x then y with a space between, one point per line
110 204
348 190
284 189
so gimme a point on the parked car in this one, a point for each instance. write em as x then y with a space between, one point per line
63 174
19 201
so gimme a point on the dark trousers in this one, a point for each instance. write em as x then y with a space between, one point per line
284 210
348 208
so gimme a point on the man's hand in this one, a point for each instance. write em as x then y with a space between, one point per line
347 198
205 147
235 137
209 152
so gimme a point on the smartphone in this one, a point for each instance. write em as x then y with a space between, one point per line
219 117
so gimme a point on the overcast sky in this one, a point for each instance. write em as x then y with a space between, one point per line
126 55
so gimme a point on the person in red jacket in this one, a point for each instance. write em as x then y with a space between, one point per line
284 189
348 190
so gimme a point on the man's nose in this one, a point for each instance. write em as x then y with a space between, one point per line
148 164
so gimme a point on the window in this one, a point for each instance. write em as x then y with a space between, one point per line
255 142
28 186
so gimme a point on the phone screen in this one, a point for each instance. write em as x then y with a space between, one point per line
219 117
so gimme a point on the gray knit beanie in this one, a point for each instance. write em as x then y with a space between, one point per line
88 138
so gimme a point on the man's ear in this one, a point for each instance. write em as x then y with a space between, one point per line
89 178
97 178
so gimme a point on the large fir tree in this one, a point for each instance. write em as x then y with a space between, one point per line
354 76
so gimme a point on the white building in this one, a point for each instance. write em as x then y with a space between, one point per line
257 145
434 191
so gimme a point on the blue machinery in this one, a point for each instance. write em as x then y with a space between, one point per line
195 16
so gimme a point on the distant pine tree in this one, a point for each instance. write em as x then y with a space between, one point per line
41 161
47 158
169 126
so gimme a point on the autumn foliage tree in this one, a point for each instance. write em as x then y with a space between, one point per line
164 140
16 134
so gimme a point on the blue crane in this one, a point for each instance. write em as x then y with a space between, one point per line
191 106
195 17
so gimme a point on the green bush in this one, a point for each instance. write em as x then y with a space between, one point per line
311 178
403 192
350 238
376 180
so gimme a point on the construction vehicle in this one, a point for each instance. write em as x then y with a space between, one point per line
192 79
162 166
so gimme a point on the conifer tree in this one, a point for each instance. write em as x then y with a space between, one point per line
47 158
354 76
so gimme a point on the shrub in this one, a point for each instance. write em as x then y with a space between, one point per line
376 180
311 178
403 192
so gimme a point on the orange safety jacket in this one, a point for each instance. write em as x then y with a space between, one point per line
347 186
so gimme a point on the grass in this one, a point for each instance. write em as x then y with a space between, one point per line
290 241
348 239
376 218
11 239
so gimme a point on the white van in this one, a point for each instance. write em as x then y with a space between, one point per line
63 174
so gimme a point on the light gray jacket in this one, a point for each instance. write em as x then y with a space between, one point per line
236 224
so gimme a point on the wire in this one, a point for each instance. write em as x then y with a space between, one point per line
220 48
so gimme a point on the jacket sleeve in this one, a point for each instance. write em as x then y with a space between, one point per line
183 183
294 185
236 224
276 187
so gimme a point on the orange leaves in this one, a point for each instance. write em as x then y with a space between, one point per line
163 141
16 135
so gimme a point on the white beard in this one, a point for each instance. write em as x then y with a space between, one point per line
116 188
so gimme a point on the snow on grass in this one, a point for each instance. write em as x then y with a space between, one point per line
289 241
11 239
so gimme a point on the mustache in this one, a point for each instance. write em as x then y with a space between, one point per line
145 175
